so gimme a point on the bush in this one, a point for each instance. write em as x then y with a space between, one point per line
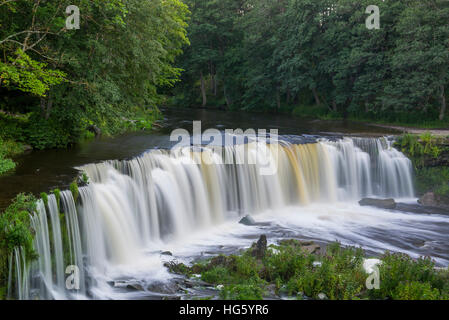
8 148
338 274
241 292
401 276
16 231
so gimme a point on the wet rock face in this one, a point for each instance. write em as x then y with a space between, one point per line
431 199
248 221
379 203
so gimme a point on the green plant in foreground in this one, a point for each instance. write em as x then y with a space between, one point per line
16 232
289 268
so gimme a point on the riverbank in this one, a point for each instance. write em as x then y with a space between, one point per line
429 154
294 269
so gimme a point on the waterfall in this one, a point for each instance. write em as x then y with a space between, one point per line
131 206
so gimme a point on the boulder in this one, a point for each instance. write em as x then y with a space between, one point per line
247 221
379 203
431 199
166 253
94 129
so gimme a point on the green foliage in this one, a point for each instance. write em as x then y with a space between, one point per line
109 73
25 74
419 146
8 148
85 178
44 198
57 194
74 190
403 277
274 55
338 273
416 291
435 179
16 232
241 292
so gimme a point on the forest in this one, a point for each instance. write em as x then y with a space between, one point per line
310 58
56 82
89 81
318 58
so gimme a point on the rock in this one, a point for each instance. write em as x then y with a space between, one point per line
247 221
308 246
260 247
220 260
431 199
312 248
271 290
428 200
379 203
135 286
164 287
322 296
27 148
93 128
166 253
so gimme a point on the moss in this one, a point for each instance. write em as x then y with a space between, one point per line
85 178
74 190
57 194
44 197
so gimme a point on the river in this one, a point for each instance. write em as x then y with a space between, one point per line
142 201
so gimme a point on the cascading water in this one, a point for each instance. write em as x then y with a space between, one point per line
132 206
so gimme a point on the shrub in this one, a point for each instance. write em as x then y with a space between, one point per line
401 274
16 231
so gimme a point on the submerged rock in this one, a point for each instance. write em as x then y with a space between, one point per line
379 203
166 253
247 221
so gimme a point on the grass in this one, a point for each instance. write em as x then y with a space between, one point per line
289 270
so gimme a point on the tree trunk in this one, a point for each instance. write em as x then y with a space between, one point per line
49 106
203 90
334 105
278 98
443 103
315 95
228 100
